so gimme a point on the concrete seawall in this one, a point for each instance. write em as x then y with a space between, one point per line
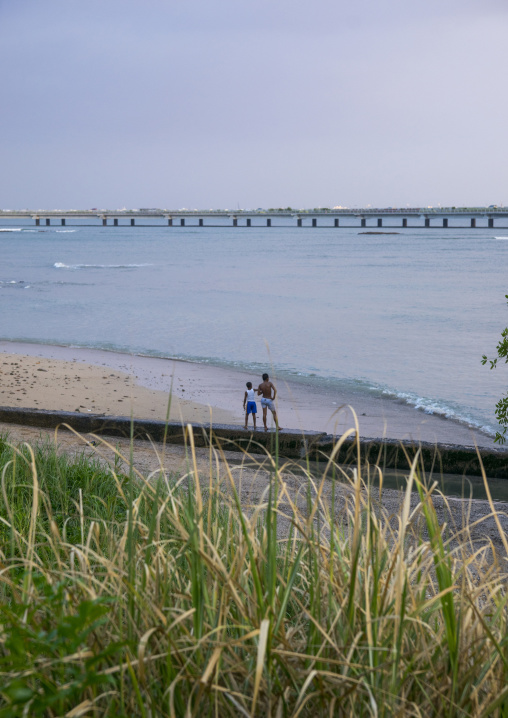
291 444
440 458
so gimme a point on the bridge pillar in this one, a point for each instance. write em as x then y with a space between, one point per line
182 222
336 222
314 222
104 222
473 221
364 222
404 222
299 222
445 221
248 221
115 222
170 221
48 221
62 221
201 221
427 221
37 221
133 222
491 222
235 222
379 221
268 222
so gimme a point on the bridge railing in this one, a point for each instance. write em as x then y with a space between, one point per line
271 212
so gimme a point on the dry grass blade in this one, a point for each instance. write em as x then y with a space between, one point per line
261 654
242 590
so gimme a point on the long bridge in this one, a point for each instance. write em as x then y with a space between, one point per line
437 217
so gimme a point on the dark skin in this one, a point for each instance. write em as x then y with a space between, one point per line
268 391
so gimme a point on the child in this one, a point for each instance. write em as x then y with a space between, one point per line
251 404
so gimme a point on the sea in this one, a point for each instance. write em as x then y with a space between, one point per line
406 316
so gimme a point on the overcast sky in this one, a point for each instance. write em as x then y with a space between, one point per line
253 103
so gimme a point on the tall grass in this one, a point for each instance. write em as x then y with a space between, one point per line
125 595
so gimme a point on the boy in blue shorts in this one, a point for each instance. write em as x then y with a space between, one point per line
249 399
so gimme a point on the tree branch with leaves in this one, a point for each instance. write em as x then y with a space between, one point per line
502 404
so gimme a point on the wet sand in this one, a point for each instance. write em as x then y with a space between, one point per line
100 382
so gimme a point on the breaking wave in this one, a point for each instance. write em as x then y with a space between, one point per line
61 265
439 408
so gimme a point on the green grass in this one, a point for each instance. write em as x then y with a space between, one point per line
121 596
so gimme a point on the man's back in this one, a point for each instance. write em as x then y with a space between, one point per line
266 389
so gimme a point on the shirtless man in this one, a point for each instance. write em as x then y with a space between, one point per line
267 399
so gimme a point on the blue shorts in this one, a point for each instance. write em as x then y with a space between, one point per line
251 407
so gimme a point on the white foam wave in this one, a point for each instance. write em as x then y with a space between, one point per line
432 406
500 237
66 231
21 229
61 265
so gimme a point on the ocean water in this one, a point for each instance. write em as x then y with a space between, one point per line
406 315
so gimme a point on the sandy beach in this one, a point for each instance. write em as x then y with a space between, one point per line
101 382
63 378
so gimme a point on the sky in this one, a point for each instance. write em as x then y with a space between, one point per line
253 103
